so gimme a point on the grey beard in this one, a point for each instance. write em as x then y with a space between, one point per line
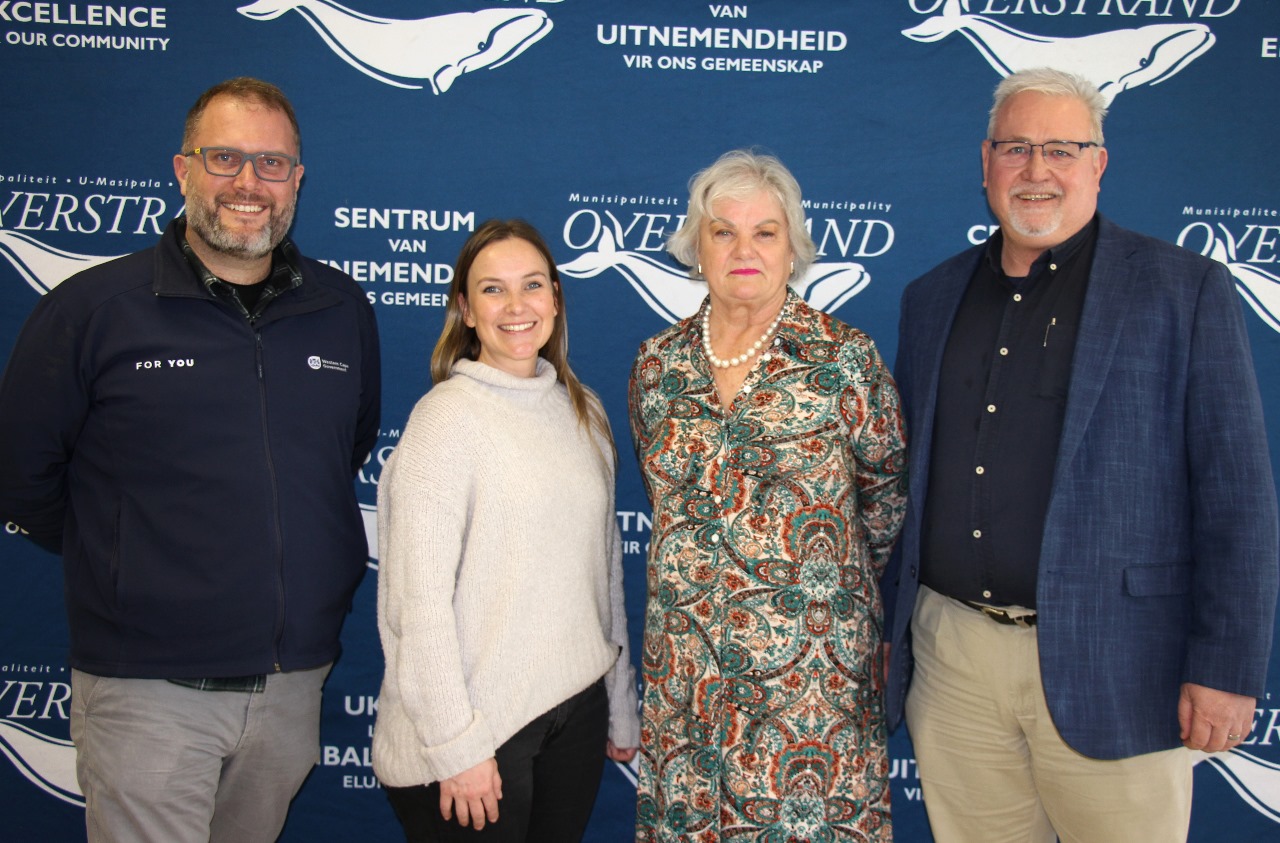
206 224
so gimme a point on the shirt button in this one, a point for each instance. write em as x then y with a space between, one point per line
979 470
986 594
991 408
1053 267
1004 352
746 387
1017 296
977 534
715 538
717 499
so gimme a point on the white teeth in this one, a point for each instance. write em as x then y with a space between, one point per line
1035 196
253 209
523 326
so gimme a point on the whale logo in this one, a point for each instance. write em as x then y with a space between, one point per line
1257 781
48 763
1259 288
398 52
44 267
1114 61
673 295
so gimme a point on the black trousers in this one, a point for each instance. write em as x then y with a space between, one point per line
550 773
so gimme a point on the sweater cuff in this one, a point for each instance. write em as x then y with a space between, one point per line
473 745
624 722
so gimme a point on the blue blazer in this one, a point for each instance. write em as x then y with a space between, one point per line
1160 557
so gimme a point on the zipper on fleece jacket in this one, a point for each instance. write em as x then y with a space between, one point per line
275 503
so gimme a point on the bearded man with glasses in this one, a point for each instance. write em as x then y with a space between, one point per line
1086 583
184 426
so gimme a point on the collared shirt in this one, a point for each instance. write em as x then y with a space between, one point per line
283 276
1001 402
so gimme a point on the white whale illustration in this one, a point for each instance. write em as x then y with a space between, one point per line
48 763
673 295
1259 288
1256 780
438 49
1114 61
44 267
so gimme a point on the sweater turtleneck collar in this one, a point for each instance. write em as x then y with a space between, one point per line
542 382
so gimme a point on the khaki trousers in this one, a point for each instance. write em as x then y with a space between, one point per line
993 767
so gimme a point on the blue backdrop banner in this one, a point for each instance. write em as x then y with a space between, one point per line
422 118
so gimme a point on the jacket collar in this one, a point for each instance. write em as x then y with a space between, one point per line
175 276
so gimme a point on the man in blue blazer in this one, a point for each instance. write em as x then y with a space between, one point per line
1086 581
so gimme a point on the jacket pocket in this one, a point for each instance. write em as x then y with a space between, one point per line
1157 580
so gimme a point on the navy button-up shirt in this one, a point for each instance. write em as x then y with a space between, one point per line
1001 400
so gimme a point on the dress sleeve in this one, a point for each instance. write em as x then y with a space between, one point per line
643 378
880 450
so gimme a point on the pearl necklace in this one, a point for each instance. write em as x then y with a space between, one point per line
744 356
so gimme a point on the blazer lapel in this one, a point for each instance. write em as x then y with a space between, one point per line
1106 306
933 329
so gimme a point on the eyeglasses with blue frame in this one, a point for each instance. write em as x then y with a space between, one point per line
228 162
1057 154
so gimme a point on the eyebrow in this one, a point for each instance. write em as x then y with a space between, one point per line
537 273
722 220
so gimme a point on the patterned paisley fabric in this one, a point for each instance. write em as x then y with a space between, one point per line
763 717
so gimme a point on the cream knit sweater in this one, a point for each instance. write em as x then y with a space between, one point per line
500 574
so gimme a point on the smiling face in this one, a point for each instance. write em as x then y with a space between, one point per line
511 304
745 250
240 217
1039 207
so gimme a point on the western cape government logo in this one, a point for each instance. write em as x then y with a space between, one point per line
1115 60
406 53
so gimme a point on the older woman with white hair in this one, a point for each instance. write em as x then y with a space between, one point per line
771 444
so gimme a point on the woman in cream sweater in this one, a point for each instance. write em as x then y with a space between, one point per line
508 678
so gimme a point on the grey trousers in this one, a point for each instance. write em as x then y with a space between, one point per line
162 763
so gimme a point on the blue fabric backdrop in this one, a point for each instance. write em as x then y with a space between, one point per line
421 119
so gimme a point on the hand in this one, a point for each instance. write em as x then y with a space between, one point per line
622 756
1207 716
473 795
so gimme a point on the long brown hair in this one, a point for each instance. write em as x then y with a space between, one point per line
459 340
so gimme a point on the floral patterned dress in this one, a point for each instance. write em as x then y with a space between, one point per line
763 714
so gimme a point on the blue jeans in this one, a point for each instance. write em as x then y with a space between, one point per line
550 773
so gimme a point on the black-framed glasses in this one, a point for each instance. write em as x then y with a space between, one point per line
1057 154
225 161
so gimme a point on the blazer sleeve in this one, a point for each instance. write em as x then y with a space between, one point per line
1235 544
